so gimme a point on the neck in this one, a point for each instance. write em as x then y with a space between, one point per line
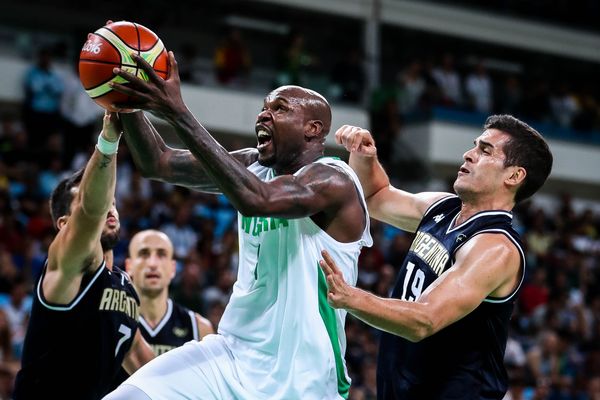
470 207
109 258
300 160
153 308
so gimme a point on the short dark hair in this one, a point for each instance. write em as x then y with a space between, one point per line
526 148
62 197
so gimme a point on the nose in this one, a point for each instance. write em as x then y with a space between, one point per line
468 155
153 260
263 116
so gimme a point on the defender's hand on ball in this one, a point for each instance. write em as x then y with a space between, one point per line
111 127
159 96
339 293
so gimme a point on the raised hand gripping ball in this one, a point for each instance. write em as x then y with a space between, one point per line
111 46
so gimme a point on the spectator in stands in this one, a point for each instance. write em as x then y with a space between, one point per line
510 96
181 232
535 292
588 116
295 61
17 311
187 289
232 59
479 89
43 88
412 87
79 113
536 101
349 76
190 65
221 290
563 105
9 365
449 82
538 239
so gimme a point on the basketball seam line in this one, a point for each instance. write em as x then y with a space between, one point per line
90 60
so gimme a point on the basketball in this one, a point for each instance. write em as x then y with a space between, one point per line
111 46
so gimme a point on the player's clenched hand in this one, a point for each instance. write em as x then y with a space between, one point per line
356 140
159 96
111 127
339 293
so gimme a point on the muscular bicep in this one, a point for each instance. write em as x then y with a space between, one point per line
400 208
487 265
316 189
181 167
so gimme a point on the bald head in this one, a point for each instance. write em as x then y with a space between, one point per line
316 106
139 239
150 263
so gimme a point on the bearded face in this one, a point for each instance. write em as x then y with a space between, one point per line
109 238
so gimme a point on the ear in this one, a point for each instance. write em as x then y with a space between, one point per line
313 128
128 266
517 177
61 222
173 268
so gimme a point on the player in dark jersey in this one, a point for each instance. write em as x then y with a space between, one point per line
445 327
83 323
163 323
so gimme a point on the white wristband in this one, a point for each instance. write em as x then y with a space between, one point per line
105 147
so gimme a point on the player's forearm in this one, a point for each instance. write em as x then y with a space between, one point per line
156 160
242 188
371 174
144 143
406 319
97 188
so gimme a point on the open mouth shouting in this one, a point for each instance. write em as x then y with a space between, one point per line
264 136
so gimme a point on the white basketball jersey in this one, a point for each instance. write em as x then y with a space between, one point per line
288 343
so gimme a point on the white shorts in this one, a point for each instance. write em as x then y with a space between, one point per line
197 370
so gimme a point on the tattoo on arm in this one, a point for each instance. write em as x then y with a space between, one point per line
106 160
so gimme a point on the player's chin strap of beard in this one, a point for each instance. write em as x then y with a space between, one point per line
109 240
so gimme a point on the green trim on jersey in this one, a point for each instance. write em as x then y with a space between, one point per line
329 319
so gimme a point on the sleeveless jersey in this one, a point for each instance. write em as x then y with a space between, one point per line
464 360
75 351
287 341
177 327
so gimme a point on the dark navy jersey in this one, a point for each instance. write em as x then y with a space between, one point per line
178 326
464 360
75 351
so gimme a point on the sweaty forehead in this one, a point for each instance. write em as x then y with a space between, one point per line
495 137
150 241
289 94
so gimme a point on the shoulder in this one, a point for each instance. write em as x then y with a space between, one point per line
433 202
328 173
246 156
493 251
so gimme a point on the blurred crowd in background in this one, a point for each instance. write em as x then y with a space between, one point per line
554 347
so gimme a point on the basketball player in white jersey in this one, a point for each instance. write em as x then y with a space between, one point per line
278 338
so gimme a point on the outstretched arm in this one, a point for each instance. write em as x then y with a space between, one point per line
386 203
156 160
78 240
456 293
318 188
